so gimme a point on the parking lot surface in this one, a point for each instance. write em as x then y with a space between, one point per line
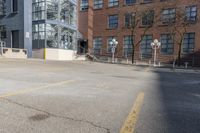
39 96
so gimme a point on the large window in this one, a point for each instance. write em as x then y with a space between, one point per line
68 12
191 13
38 35
55 36
38 10
54 33
38 31
128 48
98 4
148 18
14 6
130 2
84 5
129 20
2 7
113 21
52 9
112 3
169 15
167 46
188 43
147 1
66 41
97 44
146 49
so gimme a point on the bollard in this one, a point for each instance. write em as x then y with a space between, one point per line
149 62
159 64
186 65
174 64
1 43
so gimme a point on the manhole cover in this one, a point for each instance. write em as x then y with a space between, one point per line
39 117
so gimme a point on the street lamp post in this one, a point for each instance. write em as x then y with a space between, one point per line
155 45
113 45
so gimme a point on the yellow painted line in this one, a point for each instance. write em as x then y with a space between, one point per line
28 90
130 122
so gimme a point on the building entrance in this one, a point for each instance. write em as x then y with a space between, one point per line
15 39
82 47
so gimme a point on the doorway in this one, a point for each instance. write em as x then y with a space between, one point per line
83 47
15 39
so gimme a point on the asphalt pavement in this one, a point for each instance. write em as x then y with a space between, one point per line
39 96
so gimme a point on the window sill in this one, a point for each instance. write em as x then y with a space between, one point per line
15 12
111 28
185 54
167 23
97 9
191 22
163 54
145 26
129 4
83 10
110 7
146 2
127 28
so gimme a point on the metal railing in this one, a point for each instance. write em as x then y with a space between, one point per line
102 55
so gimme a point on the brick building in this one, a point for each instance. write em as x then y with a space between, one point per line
175 23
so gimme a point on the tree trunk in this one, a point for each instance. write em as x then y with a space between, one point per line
133 54
133 46
179 54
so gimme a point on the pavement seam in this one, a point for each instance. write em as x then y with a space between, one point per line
57 116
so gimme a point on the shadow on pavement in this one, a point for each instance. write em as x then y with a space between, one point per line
180 98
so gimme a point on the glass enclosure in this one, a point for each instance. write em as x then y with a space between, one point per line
54 24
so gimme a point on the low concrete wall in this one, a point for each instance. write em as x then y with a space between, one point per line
56 54
59 54
38 53
14 53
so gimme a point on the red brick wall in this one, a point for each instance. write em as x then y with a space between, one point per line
98 23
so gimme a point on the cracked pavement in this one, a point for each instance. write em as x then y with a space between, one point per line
35 98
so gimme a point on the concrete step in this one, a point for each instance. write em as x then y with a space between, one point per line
80 57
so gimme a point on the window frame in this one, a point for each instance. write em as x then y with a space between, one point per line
113 25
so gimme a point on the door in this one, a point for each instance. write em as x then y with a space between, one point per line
83 47
15 39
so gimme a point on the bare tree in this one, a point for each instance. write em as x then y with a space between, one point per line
177 27
145 18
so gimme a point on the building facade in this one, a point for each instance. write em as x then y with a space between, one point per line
136 23
16 24
54 24
37 25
